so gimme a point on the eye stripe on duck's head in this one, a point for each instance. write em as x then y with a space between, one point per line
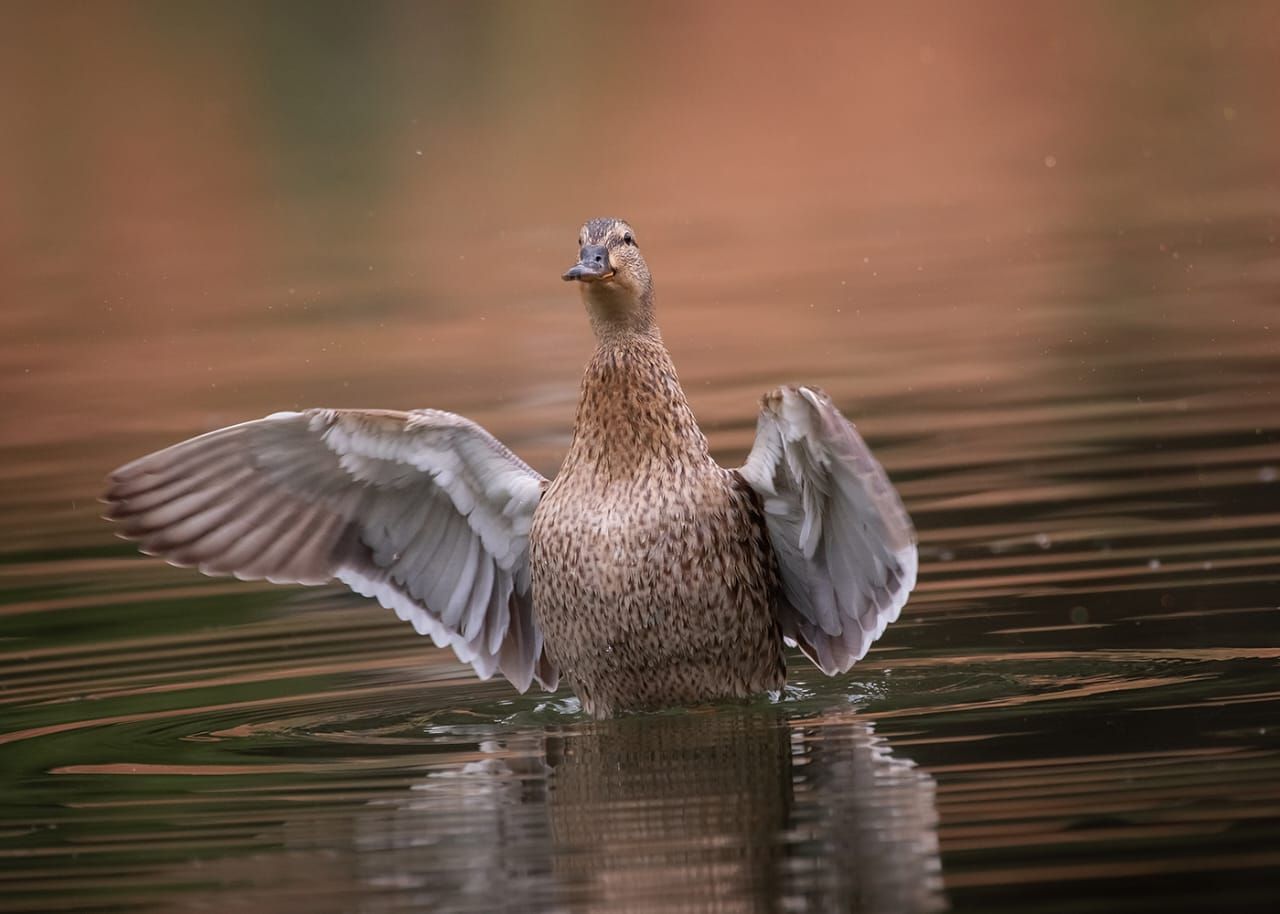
608 232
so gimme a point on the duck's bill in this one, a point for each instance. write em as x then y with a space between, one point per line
588 272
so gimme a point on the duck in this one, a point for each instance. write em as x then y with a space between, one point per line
643 576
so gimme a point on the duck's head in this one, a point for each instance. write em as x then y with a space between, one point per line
613 276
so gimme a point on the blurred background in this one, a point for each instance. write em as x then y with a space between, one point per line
213 211
1030 248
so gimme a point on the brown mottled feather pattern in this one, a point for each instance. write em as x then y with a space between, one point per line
653 578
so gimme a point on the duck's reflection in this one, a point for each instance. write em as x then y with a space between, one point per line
723 812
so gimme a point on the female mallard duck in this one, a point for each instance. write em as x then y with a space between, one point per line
645 574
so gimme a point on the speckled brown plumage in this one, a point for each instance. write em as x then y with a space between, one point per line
653 579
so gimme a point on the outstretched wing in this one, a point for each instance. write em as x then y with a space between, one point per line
424 510
845 545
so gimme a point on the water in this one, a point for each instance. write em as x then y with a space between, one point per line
1032 252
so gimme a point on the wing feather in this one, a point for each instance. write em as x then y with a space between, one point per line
424 511
844 542
460 600
479 596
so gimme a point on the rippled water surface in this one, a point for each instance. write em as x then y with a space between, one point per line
1032 251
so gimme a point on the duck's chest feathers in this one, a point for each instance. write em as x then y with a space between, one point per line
658 594
638 483
644 553
618 531
633 421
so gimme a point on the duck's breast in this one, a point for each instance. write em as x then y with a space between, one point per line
662 571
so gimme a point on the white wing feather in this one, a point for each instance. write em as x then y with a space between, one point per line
845 545
424 511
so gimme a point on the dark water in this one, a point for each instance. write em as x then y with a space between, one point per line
1032 250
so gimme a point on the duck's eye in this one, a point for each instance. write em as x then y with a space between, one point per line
627 239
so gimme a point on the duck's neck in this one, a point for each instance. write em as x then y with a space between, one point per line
618 313
633 417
